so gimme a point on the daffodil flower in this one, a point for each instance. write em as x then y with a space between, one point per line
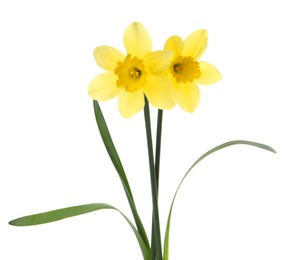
186 71
135 75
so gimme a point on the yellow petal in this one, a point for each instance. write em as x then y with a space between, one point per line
160 91
175 44
188 96
129 103
209 74
103 87
158 61
195 44
107 57
137 40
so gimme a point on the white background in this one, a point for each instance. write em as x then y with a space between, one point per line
51 155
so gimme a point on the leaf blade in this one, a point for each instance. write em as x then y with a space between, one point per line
109 145
59 214
215 149
56 215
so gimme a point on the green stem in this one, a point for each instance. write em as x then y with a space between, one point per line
158 145
157 169
156 220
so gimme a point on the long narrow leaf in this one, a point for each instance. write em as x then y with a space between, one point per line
224 145
63 213
107 140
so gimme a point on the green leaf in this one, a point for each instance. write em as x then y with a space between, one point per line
107 140
224 145
59 214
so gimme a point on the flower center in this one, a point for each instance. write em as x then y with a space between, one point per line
185 69
131 74
135 72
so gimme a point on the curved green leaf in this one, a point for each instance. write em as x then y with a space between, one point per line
59 214
224 145
107 140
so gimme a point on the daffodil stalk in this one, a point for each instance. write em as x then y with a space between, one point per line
158 145
157 170
164 79
156 249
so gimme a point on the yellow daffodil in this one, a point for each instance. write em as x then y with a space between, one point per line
135 75
186 71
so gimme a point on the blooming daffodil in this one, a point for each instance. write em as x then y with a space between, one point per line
186 71
139 73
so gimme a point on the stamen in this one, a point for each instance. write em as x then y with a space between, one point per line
178 67
135 72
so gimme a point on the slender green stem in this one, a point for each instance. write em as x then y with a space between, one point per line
157 169
158 145
156 219
153 239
